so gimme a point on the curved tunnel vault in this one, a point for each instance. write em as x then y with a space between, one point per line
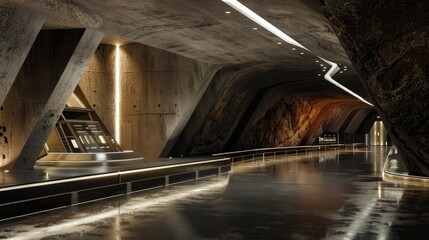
198 80
262 105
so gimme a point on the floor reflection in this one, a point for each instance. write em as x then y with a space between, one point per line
331 195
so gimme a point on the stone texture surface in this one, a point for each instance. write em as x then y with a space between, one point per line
241 97
18 30
388 44
292 120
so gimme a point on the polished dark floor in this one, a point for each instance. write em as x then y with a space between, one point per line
331 195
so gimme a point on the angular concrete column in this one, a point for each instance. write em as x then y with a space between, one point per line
39 95
18 30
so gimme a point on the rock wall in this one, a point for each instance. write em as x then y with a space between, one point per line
291 119
248 106
388 43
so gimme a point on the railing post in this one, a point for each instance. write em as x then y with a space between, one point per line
74 198
167 180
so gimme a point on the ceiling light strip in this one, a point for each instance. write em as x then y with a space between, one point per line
262 22
274 30
328 76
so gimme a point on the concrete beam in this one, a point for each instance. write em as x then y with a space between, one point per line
18 30
45 83
57 101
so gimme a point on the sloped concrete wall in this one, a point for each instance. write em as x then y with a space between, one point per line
28 99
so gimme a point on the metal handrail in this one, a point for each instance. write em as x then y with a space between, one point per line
266 151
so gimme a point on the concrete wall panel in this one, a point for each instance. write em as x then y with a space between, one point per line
18 30
160 90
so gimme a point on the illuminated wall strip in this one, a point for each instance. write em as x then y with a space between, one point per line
274 30
117 93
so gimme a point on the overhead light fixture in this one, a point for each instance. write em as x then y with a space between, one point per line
279 43
255 28
227 12
317 61
262 22
293 49
301 53
274 30
328 76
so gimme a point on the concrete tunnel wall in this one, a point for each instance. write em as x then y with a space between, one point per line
172 105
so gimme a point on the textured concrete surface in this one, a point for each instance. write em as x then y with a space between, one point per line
33 106
18 30
336 195
198 29
194 78
159 90
388 44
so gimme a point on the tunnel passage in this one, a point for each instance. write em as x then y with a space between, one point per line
263 105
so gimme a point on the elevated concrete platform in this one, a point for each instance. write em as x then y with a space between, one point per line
45 188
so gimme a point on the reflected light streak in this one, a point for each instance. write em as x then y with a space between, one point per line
117 93
274 30
69 227
360 220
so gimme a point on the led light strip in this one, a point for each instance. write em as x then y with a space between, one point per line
117 94
328 77
274 30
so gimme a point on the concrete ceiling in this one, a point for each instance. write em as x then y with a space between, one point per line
202 30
